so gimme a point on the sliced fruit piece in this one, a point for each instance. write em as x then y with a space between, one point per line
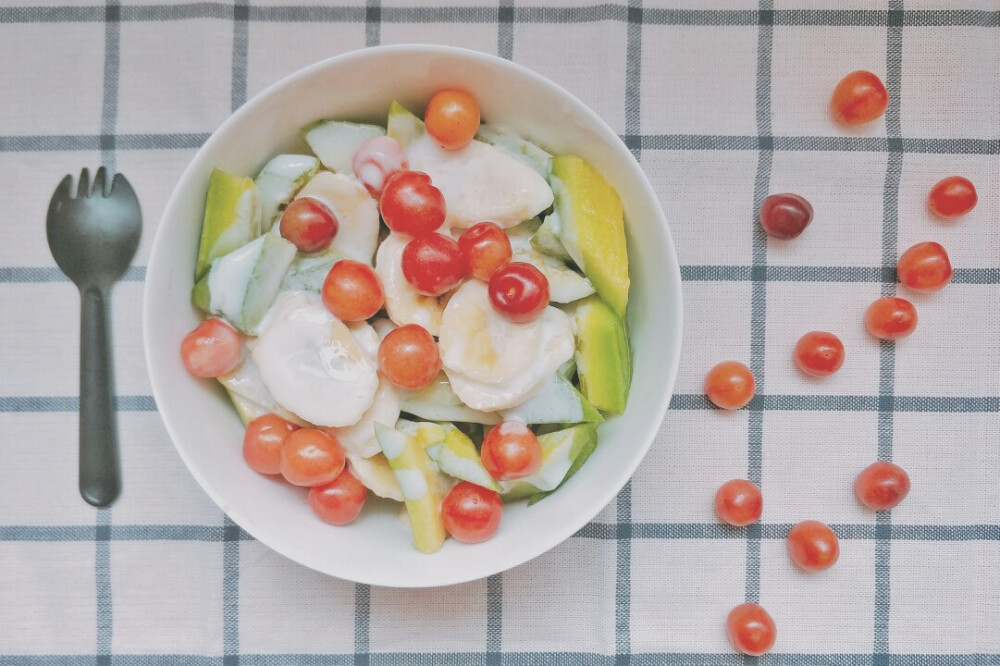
437 402
355 210
557 401
592 227
546 239
249 393
308 271
603 358
403 126
457 456
518 148
359 439
565 284
232 218
581 457
415 473
480 182
334 141
278 182
559 450
404 304
243 284
376 475
428 434
247 409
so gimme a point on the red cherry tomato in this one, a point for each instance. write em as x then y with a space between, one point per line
262 442
819 353
785 216
452 118
308 224
375 160
751 629
891 318
410 204
519 292
925 267
730 385
739 502
882 485
953 196
813 546
859 98
433 264
408 357
511 451
352 291
471 513
485 248
340 501
311 457
211 349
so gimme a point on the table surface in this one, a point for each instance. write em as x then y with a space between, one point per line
723 103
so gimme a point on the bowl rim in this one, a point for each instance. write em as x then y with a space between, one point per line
602 496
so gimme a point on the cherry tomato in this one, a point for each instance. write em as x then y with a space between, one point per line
471 513
859 98
751 629
410 204
308 224
882 485
519 292
262 442
452 118
511 451
813 546
925 267
375 160
818 353
785 216
352 291
730 385
739 502
408 357
211 349
311 457
485 248
951 197
891 318
340 501
433 264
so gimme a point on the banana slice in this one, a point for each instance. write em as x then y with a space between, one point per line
403 303
476 343
312 364
366 336
359 439
375 474
356 212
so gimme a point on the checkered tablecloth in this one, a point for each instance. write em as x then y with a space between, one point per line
723 102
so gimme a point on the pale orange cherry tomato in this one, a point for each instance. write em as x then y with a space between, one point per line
953 196
739 502
925 267
452 118
859 98
211 349
882 485
819 353
511 451
340 501
262 442
751 629
311 457
730 385
408 357
352 291
891 318
813 546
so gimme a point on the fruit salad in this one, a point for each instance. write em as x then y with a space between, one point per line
430 311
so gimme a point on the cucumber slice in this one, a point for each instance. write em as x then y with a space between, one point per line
457 456
308 271
565 284
557 401
278 182
247 409
515 146
403 126
335 142
546 239
232 218
437 402
581 457
249 393
415 473
559 450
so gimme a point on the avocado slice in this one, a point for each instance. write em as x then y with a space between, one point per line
603 357
559 450
402 125
457 456
232 218
335 141
592 227
243 284
278 182
516 147
415 473
557 401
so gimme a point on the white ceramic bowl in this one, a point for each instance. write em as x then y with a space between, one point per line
205 428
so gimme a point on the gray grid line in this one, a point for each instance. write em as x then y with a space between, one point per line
525 14
102 577
494 620
505 29
241 46
887 358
